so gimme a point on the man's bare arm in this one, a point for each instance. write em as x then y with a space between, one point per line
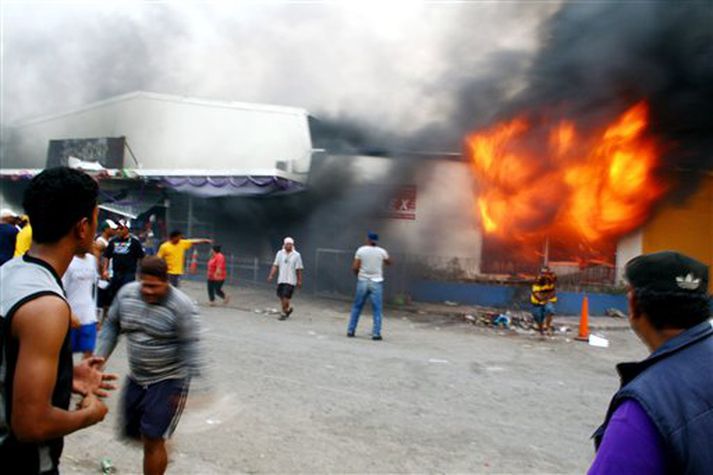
356 265
273 271
40 326
200 240
109 335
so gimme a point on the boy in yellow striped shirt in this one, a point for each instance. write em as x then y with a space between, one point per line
543 298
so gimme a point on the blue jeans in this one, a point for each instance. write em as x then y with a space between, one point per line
366 289
540 312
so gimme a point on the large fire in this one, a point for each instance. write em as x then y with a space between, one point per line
552 181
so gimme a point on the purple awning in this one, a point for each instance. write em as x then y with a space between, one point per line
216 186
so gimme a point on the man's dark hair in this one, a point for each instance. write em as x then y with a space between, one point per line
154 266
677 310
174 234
56 200
217 248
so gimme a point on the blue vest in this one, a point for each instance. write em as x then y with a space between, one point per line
674 386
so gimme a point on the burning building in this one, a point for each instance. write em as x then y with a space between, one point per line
605 150
544 181
249 174
532 188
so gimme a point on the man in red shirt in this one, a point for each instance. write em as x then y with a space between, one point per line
216 276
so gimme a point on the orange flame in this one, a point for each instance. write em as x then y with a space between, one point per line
587 188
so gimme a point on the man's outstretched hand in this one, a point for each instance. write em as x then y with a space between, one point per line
90 379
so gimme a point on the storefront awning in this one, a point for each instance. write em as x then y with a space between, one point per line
212 186
201 183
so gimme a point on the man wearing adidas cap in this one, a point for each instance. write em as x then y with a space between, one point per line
661 419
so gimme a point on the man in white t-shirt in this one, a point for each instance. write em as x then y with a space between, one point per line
78 283
288 266
368 265
108 230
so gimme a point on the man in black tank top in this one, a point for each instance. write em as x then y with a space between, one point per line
37 377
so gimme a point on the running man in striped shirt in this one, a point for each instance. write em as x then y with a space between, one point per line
162 330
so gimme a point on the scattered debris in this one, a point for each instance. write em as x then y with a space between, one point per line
436 360
450 303
266 311
107 466
598 341
510 319
494 369
502 320
615 313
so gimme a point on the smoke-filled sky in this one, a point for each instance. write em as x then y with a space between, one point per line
396 75
396 65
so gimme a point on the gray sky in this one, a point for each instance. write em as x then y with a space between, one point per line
399 65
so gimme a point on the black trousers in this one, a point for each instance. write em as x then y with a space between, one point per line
215 287
118 281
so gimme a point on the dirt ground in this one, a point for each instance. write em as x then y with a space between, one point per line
438 395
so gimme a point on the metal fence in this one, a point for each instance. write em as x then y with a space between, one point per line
239 268
330 273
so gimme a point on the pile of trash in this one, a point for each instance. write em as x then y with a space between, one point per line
509 319
519 321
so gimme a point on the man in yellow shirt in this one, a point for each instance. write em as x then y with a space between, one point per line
173 252
24 237
543 298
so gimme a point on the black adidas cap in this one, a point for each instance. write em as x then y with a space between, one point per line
667 271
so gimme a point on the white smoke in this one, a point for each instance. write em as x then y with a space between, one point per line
392 64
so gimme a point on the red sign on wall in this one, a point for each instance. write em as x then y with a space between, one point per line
402 203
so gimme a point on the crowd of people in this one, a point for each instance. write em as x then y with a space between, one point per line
76 270
659 421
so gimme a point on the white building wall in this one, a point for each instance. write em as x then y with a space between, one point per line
168 132
627 248
446 222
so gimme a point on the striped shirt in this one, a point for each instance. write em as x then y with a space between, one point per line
162 339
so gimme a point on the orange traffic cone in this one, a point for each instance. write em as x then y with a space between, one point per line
584 321
194 262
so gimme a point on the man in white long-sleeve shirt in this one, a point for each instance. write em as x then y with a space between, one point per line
162 329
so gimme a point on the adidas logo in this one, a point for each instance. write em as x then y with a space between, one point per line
688 282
